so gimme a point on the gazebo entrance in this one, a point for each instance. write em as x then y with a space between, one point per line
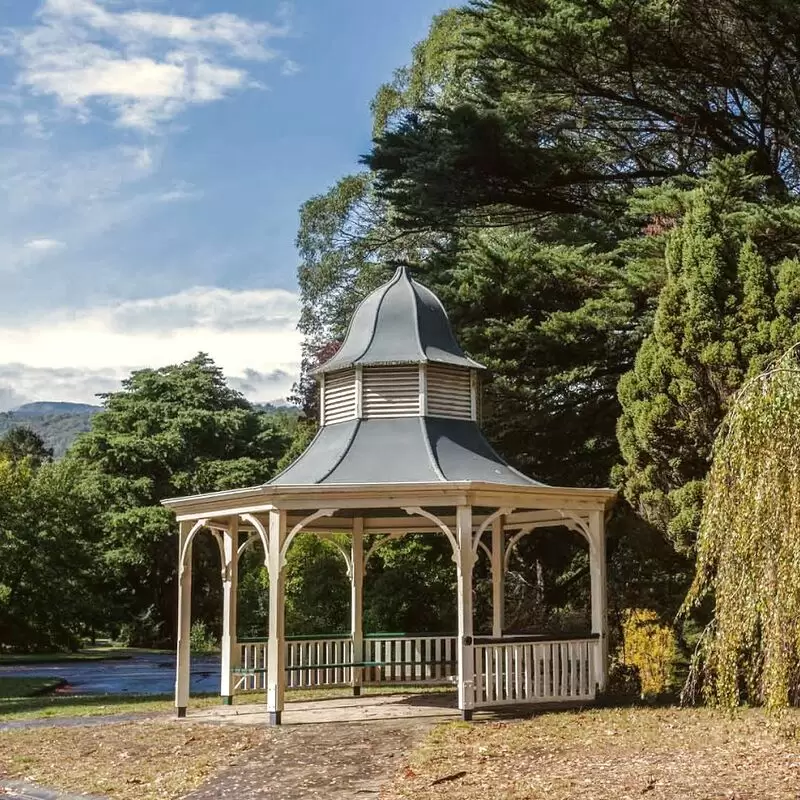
399 451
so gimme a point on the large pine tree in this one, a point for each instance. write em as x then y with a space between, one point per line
723 312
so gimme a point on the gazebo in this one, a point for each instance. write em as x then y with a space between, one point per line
399 450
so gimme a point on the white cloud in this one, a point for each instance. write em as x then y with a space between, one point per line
145 66
71 356
43 245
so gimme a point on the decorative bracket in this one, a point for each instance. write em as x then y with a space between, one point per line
378 543
323 512
485 524
413 511
262 533
199 525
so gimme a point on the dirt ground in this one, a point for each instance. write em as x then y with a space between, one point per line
148 760
610 754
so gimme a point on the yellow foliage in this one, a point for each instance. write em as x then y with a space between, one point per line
650 647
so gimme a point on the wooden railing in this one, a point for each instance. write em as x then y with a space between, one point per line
508 670
410 659
313 662
533 671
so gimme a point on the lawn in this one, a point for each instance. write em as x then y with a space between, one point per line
13 687
148 760
609 754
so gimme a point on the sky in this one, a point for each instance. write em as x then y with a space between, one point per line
153 158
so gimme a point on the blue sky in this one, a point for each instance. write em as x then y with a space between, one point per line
153 157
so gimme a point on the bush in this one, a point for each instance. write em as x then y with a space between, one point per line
651 648
201 639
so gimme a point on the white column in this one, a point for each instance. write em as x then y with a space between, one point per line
597 567
498 577
229 648
276 667
182 666
464 564
357 601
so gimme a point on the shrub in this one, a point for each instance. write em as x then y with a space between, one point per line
201 639
652 648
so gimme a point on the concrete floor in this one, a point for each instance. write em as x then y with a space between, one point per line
343 709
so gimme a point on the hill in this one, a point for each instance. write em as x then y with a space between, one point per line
57 423
54 408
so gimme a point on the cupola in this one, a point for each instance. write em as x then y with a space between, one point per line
399 399
399 358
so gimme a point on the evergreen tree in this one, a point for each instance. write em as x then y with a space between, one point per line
717 322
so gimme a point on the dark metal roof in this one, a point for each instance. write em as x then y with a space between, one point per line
423 450
401 322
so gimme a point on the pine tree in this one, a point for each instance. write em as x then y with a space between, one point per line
717 322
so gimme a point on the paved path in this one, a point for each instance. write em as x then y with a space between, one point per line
337 710
342 749
143 673
320 762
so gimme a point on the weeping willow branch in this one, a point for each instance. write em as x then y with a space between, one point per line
748 549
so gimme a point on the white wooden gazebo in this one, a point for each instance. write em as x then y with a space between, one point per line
399 450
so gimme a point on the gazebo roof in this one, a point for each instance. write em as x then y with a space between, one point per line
398 429
401 322
400 450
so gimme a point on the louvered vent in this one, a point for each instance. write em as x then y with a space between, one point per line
391 392
340 396
449 392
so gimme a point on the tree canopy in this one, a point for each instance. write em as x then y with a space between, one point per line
171 431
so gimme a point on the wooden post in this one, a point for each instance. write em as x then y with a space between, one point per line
464 563
597 567
182 666
357 602
229 590
498 577
276 667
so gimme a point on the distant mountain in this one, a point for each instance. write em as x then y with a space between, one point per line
59 424
40 409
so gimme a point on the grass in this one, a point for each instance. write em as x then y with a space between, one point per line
14 687
148 760
606 754
22 708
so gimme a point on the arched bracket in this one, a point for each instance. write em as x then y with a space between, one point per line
486 550
413 511
485 525
342 550
571 521
323 512
378 543
198 526
578 525
262 533
513 543
252 537
224 567
346 556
